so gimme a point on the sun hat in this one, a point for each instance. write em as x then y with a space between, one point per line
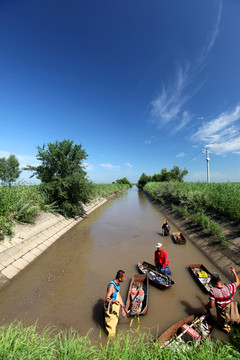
158 245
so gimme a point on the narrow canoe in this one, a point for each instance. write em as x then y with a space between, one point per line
179 238
194 327
137 298
161 280
201 275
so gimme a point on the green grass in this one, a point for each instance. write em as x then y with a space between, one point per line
104 190
23 203
220 198
18 342
197 201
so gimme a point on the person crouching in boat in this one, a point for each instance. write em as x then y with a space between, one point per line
161 260
221 296
113 302
165 228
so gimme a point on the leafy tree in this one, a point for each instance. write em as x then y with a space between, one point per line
123 181
176 174
165 175
63 176
156 178
9 170
144 179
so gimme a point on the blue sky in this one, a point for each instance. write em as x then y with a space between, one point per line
142 85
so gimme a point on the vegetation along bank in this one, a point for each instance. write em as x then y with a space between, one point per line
209 213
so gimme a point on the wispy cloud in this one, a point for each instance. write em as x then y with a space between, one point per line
88 166
182 154
169 105
110 166
129 165
173 97
222 134
183 122
24 160
149 141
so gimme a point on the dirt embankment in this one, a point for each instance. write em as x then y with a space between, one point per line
221 257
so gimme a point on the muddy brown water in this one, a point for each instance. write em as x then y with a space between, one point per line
66 286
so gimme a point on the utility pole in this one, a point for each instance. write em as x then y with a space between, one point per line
208 171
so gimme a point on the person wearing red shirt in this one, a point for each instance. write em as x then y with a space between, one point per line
161 260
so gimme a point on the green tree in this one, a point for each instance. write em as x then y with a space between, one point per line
144 179
63 177
9 170
176 174
124 180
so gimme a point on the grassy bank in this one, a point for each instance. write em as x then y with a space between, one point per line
202 203
23 203
19 342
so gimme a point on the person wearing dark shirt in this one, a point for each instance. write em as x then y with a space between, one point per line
165 228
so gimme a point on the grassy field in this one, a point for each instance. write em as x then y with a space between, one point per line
23 203
202 203
19 342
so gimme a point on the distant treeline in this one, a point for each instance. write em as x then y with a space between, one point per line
175 174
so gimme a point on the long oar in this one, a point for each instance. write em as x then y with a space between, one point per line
190 326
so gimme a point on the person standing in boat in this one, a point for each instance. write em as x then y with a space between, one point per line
221 296
161 260
166 228
113 302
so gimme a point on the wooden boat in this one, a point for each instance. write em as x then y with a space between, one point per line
179 238
194 327
137 298
159 279
201 275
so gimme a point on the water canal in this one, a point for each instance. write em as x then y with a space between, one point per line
66 286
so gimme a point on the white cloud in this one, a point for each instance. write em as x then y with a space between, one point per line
149 141
184 121
168 105
182 154
129 165
24 160
110 166
88 167
222 134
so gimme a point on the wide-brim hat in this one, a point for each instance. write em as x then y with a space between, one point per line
158 245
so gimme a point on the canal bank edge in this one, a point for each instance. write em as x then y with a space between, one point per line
205 243
31 240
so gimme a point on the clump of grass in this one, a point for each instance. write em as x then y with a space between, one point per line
220 198
234 337
20 342
20 203
181 210
104 190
